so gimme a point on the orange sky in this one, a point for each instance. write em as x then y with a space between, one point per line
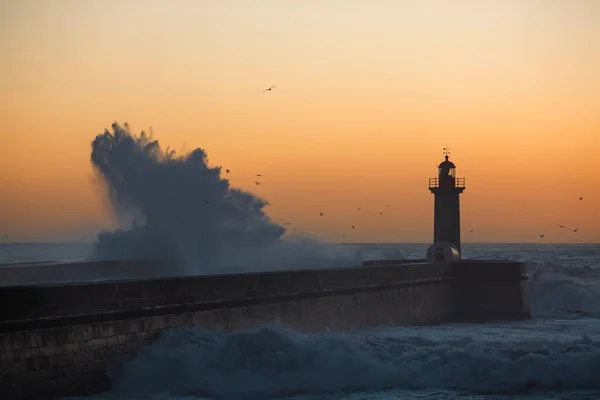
368 93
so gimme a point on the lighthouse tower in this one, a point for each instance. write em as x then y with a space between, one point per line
446 189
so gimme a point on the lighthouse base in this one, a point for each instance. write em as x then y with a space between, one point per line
490 290
482 290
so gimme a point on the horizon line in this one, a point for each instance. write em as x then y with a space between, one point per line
349 243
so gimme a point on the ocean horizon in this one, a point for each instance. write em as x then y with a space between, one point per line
39 252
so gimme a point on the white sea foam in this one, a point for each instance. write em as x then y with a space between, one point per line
273 362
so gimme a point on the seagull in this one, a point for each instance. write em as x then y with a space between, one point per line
321 213
541 235
258 175
575 230
257 183
227 171
581 198
353 227
268 89
561 226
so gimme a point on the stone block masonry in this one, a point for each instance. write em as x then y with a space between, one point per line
37 304
62 340
73 360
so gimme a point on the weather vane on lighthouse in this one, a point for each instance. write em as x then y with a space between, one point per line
446 150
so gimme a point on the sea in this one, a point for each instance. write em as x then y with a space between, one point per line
555 355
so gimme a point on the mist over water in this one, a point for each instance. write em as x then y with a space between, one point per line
181 211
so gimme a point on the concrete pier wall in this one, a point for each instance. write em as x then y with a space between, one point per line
490 290
58 340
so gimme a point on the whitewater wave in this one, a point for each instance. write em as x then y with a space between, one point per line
559 291
497 358
564 280
273 362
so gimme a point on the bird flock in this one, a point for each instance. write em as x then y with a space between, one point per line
353 227
321 214
287 223
574 230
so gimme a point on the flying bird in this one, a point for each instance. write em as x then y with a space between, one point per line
575 230
581 198
321 213
257 183
258 175
227 171
268 89
353 227
206 201
380 213
471 230
541 235
561 226
358 209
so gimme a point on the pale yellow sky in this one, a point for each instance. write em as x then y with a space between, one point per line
368 92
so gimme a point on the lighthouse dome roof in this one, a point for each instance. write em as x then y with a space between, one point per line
447 164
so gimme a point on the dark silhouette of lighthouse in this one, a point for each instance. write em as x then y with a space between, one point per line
446 189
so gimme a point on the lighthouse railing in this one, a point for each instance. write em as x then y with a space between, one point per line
458 183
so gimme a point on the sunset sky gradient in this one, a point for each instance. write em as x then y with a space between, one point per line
368 93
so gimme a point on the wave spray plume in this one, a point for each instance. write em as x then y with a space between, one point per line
182 213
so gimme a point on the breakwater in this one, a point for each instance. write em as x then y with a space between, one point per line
61 339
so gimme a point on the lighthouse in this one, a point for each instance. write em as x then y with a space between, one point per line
447 188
